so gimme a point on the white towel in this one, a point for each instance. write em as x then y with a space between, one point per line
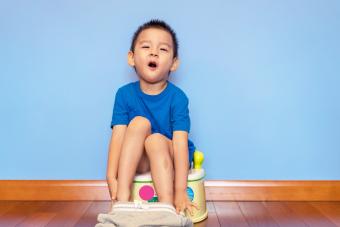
133 214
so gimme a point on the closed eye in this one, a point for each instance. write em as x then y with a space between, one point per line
163 49
145 47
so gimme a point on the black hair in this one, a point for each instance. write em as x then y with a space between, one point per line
155 23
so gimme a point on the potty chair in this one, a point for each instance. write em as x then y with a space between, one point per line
144 191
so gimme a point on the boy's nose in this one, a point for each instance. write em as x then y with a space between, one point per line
154 53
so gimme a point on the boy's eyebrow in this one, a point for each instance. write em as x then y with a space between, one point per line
167 44
161 43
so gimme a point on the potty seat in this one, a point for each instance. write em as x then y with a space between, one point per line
144 191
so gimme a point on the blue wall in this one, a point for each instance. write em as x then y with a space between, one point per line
263 80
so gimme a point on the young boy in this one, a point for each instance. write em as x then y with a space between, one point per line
150 121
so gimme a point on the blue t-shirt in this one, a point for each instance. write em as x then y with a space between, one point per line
167 111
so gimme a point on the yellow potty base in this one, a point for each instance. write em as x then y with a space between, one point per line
143 190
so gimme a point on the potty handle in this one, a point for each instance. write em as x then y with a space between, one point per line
198 159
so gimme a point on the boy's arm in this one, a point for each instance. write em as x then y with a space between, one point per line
116 141
181 157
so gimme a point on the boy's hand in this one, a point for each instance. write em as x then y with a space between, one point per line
182 203
113 185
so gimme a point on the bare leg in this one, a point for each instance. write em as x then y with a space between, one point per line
159 151
132 149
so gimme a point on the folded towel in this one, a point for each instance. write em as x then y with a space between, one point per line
133 214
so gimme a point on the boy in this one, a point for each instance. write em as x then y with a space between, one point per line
150 121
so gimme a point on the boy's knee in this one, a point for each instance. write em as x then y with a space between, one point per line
159 145
140 123
153 138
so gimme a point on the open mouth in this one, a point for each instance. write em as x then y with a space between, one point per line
152 64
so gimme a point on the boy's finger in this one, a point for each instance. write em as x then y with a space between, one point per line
190 210
177 210
182 209
195 205
182 212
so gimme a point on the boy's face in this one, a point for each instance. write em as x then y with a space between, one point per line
153 56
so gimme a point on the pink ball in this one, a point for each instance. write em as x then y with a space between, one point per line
146 192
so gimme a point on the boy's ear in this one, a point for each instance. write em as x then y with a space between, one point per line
175 65
131 60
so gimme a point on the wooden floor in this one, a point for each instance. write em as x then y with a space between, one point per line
84 213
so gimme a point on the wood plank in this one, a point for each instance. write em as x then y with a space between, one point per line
329 209
54 190
7 205
216 190
43 215
283 215
272 190
89 219
229 214
212 219
309 214
69 213
256 214
19 212
220 213
37 219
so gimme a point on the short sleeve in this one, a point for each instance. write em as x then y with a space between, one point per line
180 119
120 112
